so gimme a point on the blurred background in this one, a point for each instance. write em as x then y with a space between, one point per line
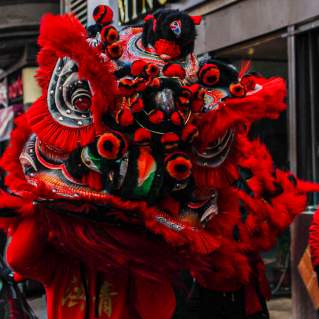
280 37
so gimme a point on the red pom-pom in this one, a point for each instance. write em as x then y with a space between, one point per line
249 82
140 84
170 141
137 67
114 50
111 145
177 118
189 133
167 50
174 70
137 105
151 70
126 86
197 105
155 83
142 136
178 166
194 88
124 117
103 14
209 74
184 96
237 89
109 34
156 117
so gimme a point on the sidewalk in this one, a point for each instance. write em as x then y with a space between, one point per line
280 308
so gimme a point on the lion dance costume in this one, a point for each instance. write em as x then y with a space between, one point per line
135 164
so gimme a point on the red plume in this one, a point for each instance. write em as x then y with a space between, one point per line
244 68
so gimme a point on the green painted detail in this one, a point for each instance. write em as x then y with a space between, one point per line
145 188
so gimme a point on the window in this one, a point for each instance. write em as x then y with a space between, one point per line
307 105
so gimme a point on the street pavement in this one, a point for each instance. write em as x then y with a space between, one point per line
280 308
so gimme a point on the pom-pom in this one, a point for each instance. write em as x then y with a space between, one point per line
184 96
126 86
156 117
237 89
109 34
249 82
178 166
142 136
194 89
124 117
155 83
151 70
177 118
103 14
114 50
140 84
174 70
137 67
197 105
111 145
137 105
170 141
167 50
209 74
189 133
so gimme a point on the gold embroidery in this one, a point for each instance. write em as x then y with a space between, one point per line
105 297
74 294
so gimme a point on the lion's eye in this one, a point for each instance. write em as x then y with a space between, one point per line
175 26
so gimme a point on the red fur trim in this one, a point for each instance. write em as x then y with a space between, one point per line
10 162
62 36
55 134
266 103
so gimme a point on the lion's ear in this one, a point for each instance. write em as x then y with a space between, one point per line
196 19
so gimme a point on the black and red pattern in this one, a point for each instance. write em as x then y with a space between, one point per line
143 162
